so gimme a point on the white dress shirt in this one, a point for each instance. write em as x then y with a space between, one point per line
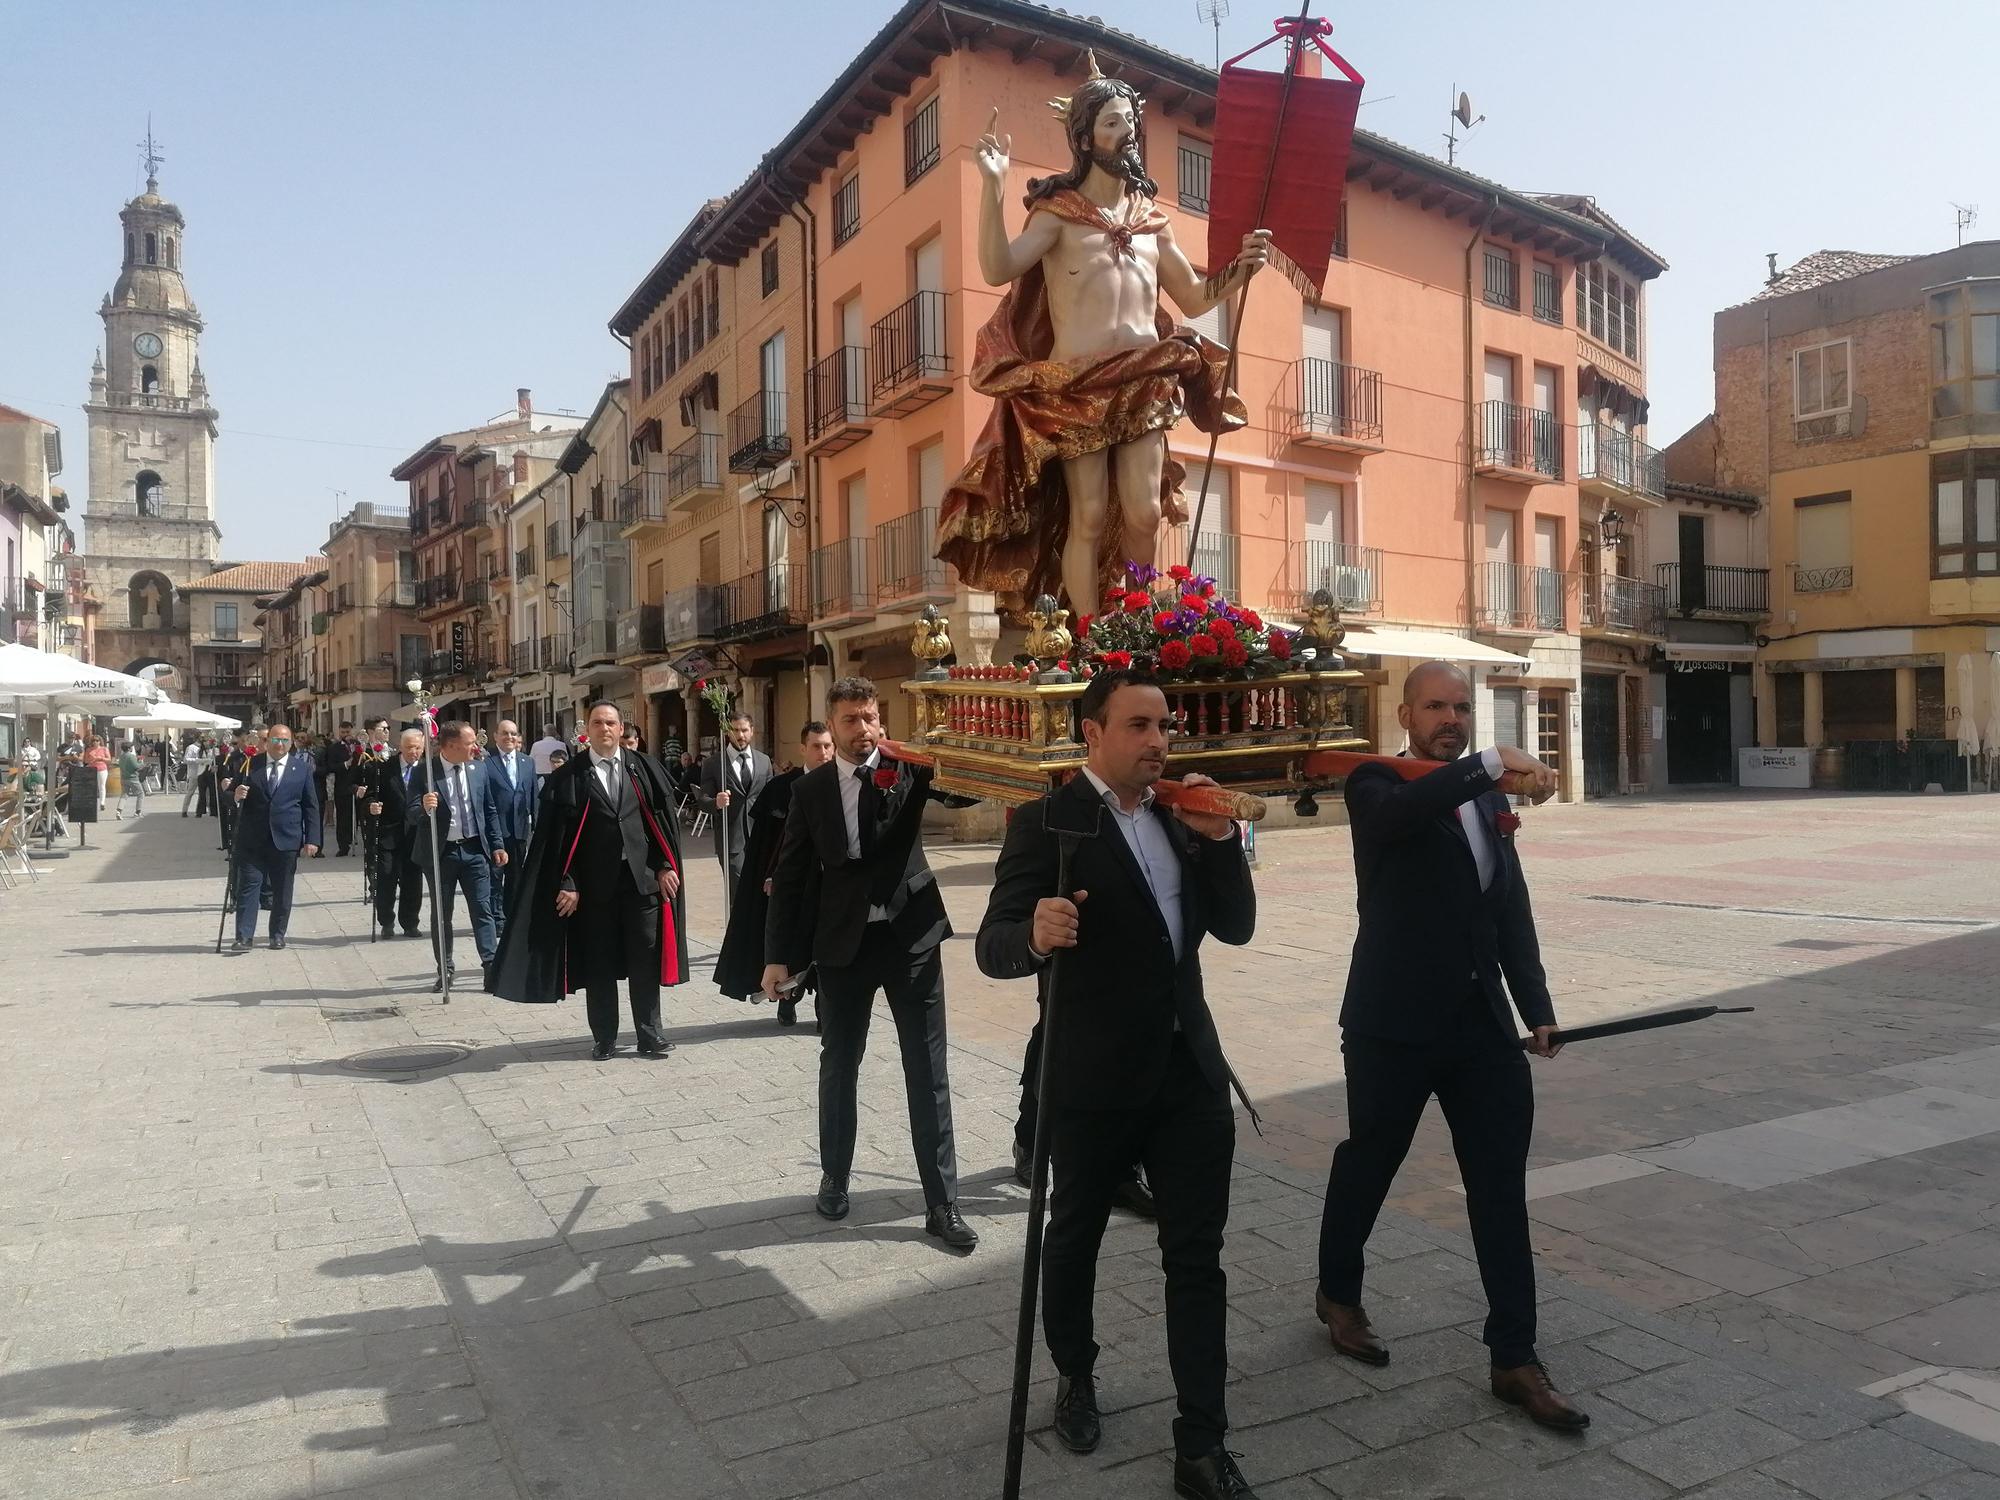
542 749
1484 855
850 810
274 773
1152 848
508 760
606 769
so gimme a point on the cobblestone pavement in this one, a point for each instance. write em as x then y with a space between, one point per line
234 1267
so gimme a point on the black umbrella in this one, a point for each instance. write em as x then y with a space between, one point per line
1646 1021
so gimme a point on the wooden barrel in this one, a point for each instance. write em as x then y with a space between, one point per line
1829 767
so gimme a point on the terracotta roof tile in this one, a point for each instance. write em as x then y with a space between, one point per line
1824 267
256 577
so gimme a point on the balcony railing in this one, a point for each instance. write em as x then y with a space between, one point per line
1337 404
1515 596
554 653
521 656
1714 589
642 500
440 513
1520 439
432 592
842 580
596 640
837 395
694 465
217 682
1503 281
1616 460
555 540
475 513
1822 580
1624 604
908 569
769 602
847 210
478 591
1548 296
908 348
401 595
639 631
758 436
920 141
1194 168
695 613
524 562
1352 574
343 599
338 681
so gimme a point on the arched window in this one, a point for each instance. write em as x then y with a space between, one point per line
128 249
148 491
152 250
152 602
149 381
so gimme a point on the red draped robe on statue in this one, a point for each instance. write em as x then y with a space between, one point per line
1004 520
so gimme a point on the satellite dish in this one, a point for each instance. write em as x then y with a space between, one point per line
1464 110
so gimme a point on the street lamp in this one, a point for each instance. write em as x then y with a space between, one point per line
1611 526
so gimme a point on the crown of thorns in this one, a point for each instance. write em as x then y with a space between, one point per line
1065 104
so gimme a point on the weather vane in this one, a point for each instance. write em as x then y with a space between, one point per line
152 158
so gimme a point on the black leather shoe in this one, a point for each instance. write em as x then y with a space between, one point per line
1077 1424
788 1012
449 974
277 942
832 1200
411 932
602 1050
1213 1476
655 1049
944 1222
1135 1197
238 945
1024 1164
388 929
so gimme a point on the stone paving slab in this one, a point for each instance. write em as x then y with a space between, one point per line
232 1266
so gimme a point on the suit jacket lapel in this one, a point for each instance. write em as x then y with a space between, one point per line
1112 835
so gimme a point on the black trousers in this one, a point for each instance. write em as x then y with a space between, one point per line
399 885
204 794
343 814
1024 1121
1186 1138
504 878
619 922
1480 1077
226 809
914 985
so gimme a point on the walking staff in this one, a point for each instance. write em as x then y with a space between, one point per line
421 696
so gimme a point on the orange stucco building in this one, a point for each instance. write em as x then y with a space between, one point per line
1437 442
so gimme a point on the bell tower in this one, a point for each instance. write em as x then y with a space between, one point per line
149 520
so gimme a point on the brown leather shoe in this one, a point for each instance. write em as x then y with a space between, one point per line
1529 1387
1349 1329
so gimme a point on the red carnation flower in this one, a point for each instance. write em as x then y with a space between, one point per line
1234 653
1203 644
1179 573
1251 618
1174 655
1117 661
1163 621
1194 603
885 777
1507 822
1219 627
1136 601
1279 645
1208 588
1082 626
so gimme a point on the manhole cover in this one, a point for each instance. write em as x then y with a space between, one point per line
405 1059
1820 945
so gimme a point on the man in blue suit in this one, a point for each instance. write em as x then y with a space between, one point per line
469 844
510 794
277 804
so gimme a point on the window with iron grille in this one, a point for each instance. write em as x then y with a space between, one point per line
700 319
847 210
1502 280
714 304
1340 234
1194 162
682 340
920 141
1548 294
768 265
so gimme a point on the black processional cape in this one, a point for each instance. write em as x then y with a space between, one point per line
533 964
739 968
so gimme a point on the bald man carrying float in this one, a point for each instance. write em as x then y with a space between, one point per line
1446 941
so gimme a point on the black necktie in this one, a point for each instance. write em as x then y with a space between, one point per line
865 810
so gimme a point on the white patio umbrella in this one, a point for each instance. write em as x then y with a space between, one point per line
63 682
1968 718
175 716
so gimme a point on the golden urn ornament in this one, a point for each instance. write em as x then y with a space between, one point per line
1321 629
932 644
1049 640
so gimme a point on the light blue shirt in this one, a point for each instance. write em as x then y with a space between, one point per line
1153 849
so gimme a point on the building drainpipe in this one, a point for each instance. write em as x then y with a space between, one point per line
808 223
1472 418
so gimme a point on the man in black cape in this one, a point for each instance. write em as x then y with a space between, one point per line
739 968
600 898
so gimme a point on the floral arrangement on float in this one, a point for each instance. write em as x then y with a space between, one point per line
1180 623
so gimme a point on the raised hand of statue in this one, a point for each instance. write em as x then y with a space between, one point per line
1255 254
993 151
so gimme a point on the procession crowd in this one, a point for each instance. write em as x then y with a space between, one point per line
568 856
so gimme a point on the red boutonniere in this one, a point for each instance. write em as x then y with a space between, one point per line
885 780
1507 822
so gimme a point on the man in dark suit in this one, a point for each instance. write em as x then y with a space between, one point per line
1136 1070
1446 936
878 922
468 842
739 966
229 769
730 779
277 801
601 897
393 787
343 759
510 791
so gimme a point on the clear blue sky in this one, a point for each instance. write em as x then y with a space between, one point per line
397 213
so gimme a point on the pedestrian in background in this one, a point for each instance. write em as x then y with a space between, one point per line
131 782
97 755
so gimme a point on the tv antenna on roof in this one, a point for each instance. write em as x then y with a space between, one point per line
1214 12
1461 114
1968 215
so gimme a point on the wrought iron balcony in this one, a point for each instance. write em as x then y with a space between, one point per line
695 613
1548 296
1503 281
434 592
1521 599
521 655
909 569
1336 406
555 655
639 632
1714 590
694 466
907 356
772 601
400 595
1211 555
1519 442
642 501
843 582
1622 605
524 562
1614 463
1351 574
758 436
837 400
478 591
